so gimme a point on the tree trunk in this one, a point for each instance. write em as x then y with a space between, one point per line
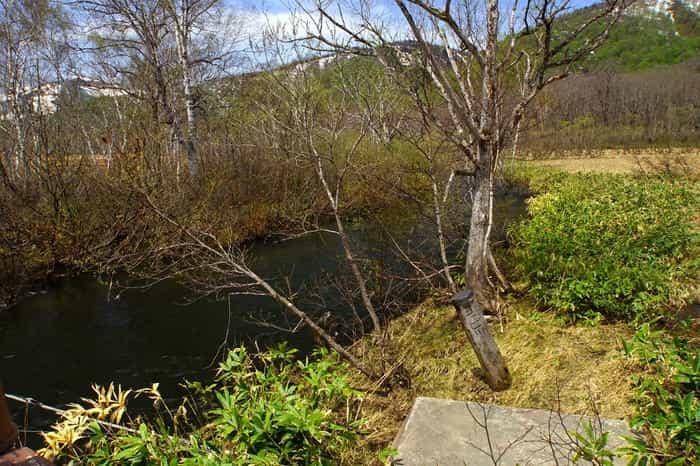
21 166
192 160
349 256
476 265
477 330
317 329
437 212
359 278
20 162
470 303
190 136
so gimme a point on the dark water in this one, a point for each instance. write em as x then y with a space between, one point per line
55 344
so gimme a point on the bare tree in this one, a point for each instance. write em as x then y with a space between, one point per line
17 39
33 37
330 140
193 22
195 254
470 52
380 104
183 14
130 39
151 45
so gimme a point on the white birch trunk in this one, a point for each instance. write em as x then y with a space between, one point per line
182 38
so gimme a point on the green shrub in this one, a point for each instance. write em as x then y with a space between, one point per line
608 244
266 409
274 411
667 398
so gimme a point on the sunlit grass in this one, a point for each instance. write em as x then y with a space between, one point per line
554 366
682 161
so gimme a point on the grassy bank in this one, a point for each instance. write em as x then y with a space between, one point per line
682 161
575 368
598 256
595 349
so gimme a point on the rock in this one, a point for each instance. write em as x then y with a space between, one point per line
457 433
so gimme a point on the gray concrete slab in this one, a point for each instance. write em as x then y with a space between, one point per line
458 433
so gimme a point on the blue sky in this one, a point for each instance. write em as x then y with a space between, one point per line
277 6
261 14
273 6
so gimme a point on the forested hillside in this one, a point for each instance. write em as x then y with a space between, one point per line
641 89
645 41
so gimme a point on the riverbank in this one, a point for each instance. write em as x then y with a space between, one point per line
38 245
570 358
94 232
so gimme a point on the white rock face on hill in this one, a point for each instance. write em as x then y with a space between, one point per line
662 7
44 99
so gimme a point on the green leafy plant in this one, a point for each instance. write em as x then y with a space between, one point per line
386 454
264 409
667 398
609 245
592 446
275 411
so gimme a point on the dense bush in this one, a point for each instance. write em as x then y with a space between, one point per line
609 244
267 409
275 411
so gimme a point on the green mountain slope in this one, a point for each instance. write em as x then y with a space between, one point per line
645 39
639 43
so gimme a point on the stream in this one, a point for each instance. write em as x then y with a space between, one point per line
57 342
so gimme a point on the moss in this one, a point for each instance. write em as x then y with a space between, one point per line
554 366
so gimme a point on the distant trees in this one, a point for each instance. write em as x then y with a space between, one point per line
607 108
32 55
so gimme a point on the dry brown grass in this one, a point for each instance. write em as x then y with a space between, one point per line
554 366
682 161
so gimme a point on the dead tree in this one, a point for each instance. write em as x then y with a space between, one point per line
330 141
